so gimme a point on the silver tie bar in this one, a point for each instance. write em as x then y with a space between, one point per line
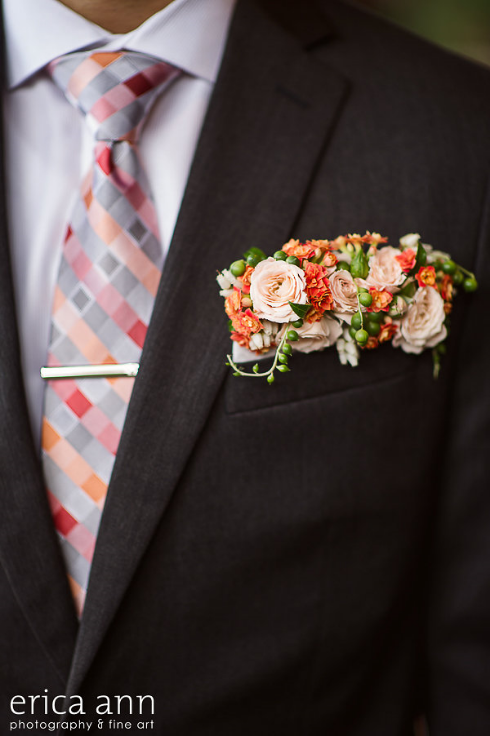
110 370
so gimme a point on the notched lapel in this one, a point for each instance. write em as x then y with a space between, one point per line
29 550
268 121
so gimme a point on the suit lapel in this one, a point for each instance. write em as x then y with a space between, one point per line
268 120
29 550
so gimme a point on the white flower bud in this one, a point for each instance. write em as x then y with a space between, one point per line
256 342
223 281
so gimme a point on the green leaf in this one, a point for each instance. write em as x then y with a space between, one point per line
409 290
359 266
421 258
300 309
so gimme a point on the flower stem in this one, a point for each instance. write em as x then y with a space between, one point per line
359 308
468 273
266 373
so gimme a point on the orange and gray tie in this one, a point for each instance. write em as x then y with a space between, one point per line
108 277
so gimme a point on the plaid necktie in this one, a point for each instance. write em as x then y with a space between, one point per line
108 277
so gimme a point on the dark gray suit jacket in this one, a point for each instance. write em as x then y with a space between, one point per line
313 557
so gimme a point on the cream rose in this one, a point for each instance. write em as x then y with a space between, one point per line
385 272
411 240
344 291
273 285
423 324
315 335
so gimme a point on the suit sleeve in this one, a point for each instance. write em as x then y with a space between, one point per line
458 692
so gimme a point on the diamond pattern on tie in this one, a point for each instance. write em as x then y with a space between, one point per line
109 274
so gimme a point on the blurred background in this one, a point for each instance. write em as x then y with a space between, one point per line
460 25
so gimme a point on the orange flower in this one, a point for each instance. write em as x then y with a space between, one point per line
381 300
406 259
242 340
317 290
446 288
329 260
300 250
374 238
371 238
388 330
426 276
244 279
246 323
319 245
233 303
372 343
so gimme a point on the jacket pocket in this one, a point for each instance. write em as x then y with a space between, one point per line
317 374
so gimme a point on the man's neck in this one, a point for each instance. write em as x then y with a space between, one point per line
116 16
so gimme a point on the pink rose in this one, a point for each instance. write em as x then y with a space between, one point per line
385 271
315 335
273 285
344 291
423 324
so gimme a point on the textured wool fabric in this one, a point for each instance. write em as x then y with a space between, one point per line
108 278
310 557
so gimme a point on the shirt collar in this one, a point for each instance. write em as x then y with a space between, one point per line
189 34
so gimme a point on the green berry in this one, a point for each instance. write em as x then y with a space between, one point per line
362 290
292 335
373 328
238 267
356 321
270 379
287 349
365 299
282 358
362 337
470 284
449 267
256 368
458 278
293 260
352 332
376 316
297 323
283 368
280 255
253 259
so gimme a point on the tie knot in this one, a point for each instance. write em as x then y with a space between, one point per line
114 90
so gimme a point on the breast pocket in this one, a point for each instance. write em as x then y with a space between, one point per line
315 375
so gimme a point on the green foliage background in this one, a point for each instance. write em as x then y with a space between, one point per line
460 25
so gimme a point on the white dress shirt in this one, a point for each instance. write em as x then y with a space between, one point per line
49 147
